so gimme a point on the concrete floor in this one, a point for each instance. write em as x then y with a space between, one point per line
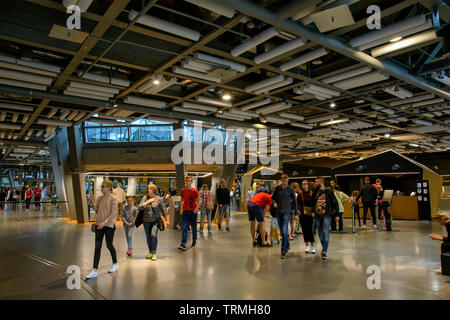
36 250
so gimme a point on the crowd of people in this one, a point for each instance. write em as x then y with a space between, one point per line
10 198
312 209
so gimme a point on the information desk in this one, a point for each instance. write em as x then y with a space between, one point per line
402 208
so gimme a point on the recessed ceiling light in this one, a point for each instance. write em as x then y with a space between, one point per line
332 105
156 81
360 101
387 135
226 97
396 39
316 153
317 62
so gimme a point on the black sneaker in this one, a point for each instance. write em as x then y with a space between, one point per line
182 247
324 255
228 229
193 244
283 255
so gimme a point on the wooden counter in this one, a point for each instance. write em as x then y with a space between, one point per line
403 208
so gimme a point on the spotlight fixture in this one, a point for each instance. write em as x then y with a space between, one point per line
156 81
387 135
333 105
226 96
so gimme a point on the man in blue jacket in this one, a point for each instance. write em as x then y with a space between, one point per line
284 201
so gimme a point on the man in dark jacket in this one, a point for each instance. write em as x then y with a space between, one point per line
326 208
284 201
223 201
369 197
444 220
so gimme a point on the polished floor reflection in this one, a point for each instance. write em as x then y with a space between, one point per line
35 251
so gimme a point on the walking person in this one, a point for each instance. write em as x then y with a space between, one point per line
355 205
37 196
223 201
120 195
106 209
28 195
369 195
237 196
284 202
9 199
190 202
444 220
341 198
153 209
306 215
257 206
326 208
206 206
2 198
128 215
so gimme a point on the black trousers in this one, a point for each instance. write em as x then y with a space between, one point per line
356 208
108 233
341 222
371 206
306 221
37 201
387 215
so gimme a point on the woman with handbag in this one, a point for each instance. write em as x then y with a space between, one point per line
206 206
154 212
305 205
106 209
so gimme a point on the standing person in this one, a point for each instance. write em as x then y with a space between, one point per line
379 202
106 209
284 202
28 195
223 201
341 198
237 196
305 204
120 195
16 198
326 208
190 202
386 199
293 221
128 215
445 245
257 207
369 196
9 195
37 196
45 195
2 198
355 205
206 206
153 209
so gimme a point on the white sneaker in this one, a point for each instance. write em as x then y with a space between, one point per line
313 250
307 249
93 274
375 226
438 271
114 268
364 225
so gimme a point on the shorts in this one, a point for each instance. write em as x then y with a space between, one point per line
255 212
224 209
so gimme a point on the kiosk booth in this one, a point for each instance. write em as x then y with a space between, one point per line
420 187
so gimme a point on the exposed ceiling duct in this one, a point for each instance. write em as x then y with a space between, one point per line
405 43
253 42
145 102
214 7
399 92
274 108
194 74
165 26
307 57
221 62
264 83
347 74
361 80
277 51
190 105
256 104
212 101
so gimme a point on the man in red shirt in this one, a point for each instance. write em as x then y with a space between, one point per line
28 194
190 202
37 196
257 206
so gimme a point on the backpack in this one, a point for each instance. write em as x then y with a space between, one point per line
321 205
259 237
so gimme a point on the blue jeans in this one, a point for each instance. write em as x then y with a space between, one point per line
151 232
323 226
283 223
189 219
129 235
207 213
